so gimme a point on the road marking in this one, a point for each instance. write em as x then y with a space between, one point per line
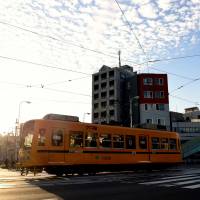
4 186
179 176
192 186
169 180
187 182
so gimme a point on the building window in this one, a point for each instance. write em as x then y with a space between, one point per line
160 107
160 121
96 87
96 78
41 137
111 102
118 141
149 121
111 83
103 85
148 94
96 115
57 137
111 112
103 95
111 74
148 81
103 76
159 94
103 104
76 139
159 81
148 106
103 114
96 96
130 142
111 92
96 105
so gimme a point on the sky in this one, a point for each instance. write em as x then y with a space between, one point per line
49 49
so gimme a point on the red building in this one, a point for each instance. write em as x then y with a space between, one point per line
153 99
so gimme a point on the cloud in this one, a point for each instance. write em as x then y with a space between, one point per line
159 25
148 11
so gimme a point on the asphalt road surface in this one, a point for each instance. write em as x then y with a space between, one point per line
172 184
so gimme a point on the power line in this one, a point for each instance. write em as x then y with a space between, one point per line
138 41
184 99
45 88
53 38
174 74
174 58
42 65
188 83
60 82
64 41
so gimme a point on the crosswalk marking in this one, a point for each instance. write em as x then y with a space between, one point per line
179 176
192 186
169 180
187 182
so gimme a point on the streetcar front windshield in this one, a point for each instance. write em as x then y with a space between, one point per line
27 134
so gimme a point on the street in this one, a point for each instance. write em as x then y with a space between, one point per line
176 183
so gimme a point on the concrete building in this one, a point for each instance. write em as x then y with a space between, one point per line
110 96
8 148
188 126
121 96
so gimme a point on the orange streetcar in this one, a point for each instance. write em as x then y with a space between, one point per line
61 144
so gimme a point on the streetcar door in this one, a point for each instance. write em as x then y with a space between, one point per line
56 153
143 144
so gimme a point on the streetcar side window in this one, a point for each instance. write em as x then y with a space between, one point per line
28 140
172 144
130 142
105 140
76 139
41 137
155 143
142 142
57 137
91 139
118 141
164 143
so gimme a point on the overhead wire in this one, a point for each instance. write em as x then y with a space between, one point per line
67 42
42 65
186 84
184 99
131 29
45 88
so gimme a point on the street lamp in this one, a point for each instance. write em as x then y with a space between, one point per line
131 109
19 111
87 113
17 130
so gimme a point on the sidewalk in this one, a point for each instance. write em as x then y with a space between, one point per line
8 173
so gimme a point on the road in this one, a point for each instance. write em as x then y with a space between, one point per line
178 183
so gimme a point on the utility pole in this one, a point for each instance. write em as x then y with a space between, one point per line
119 53
131 99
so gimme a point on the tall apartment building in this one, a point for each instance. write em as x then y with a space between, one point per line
110 104
121 96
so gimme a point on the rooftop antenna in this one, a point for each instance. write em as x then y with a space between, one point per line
119 53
